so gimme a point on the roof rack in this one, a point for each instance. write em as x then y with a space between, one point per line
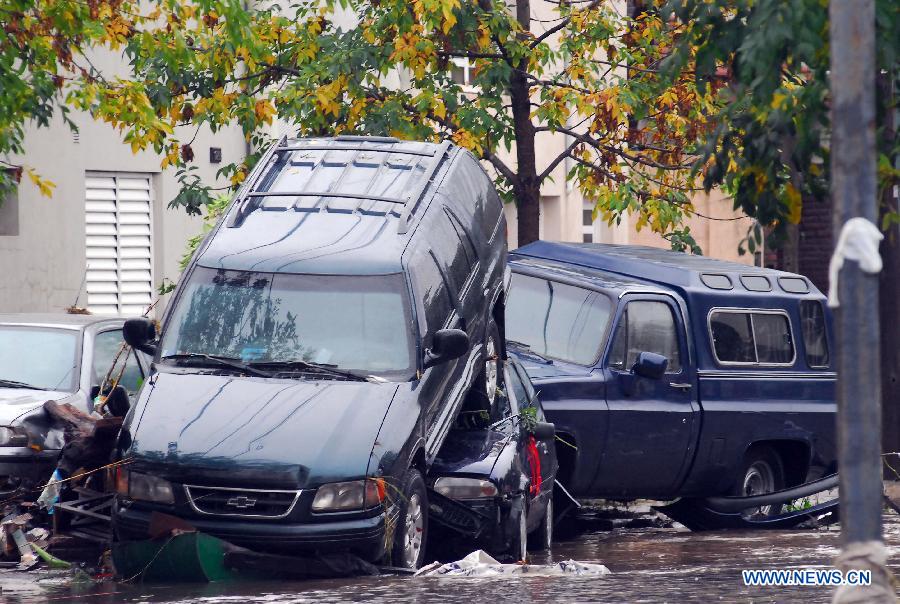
248 197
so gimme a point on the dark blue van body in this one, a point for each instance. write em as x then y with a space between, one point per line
749 386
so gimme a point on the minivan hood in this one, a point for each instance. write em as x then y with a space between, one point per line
233 430
15 402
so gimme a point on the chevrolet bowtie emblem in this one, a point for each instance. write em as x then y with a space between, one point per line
241 502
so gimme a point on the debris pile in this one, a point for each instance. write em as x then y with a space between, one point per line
481 564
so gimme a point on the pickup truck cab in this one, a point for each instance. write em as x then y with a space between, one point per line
670 375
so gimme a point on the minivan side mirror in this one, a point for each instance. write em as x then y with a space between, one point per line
650 365
446 345
139 333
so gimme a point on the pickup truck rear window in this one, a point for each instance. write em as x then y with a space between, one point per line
747 337
815 339
556 320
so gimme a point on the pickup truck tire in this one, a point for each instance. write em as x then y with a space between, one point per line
487 381
411 530
761 472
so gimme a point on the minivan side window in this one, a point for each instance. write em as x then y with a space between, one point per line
434 295
751 337
645 326
448 249
815 338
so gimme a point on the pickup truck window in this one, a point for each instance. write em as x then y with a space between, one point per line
746 337
645 326
556 320
815 339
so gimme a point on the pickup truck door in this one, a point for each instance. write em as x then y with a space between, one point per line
653 423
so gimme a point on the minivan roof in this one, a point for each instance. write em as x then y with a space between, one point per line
686 272
344 205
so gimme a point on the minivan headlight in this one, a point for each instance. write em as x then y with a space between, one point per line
465 488
351 495
144 487
12 436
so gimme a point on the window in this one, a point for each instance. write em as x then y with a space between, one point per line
646 326
434 294
106 346
461 71
449 251
587 222
755 283
557 320
794 285
752 337
117 243
39 358
352 322
464 240
713 281
9 211
815 337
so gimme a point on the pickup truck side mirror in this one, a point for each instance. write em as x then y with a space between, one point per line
650 365
139 333
446 345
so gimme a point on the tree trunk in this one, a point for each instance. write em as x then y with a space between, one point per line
528 189
889 288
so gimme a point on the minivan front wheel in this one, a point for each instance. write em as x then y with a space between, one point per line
411 529
489 378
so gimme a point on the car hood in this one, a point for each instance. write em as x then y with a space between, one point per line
16 402
215 429
470 452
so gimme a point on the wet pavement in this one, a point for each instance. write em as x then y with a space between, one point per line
647 564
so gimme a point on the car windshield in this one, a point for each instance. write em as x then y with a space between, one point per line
556 320
355 323
39 358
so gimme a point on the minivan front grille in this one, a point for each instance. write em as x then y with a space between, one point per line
246 503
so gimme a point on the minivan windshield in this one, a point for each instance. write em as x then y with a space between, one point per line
356 323
38 358
556 320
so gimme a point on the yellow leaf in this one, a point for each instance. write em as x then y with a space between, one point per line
795 203
439 109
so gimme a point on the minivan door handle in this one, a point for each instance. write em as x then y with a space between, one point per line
677 386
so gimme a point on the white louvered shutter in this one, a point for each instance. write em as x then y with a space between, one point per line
119 253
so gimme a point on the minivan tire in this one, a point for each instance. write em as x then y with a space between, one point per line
761 472
488 379
411 529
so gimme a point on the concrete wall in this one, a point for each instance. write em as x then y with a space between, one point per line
42 267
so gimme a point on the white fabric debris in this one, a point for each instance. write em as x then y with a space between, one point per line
480 564
858 241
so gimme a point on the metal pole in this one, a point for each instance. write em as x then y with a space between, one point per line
853 187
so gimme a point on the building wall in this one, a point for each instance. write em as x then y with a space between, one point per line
43 265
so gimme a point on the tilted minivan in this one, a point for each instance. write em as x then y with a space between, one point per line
318 349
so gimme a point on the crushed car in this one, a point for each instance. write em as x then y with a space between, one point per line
318 349
52 357
494 476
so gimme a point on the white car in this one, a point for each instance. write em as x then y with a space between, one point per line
59 357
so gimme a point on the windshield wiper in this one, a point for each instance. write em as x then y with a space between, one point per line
218 360
280 366
15 384
527 349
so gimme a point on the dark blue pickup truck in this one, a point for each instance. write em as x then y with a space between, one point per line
671 375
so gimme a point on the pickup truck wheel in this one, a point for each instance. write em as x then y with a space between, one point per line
762 472
412 523
488 379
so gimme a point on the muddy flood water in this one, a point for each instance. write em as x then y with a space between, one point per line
648 565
